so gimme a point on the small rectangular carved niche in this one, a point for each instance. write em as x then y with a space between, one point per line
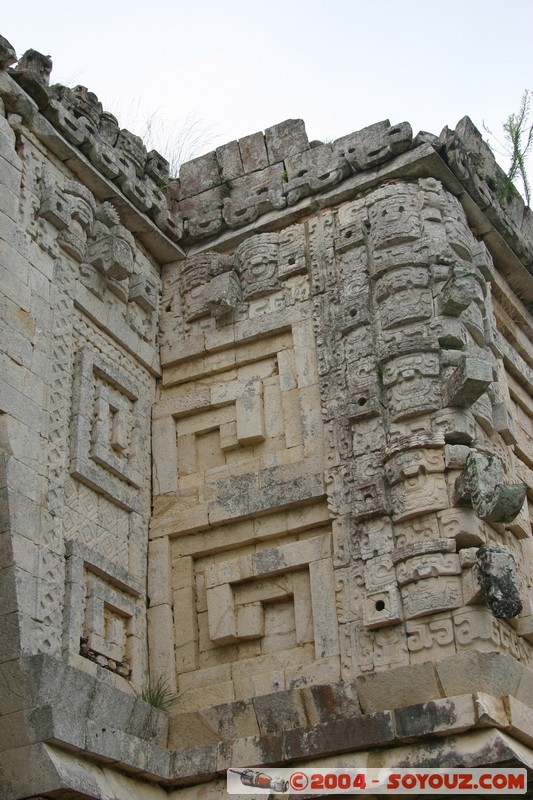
103 620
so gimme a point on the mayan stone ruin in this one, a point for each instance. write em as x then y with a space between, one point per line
266 442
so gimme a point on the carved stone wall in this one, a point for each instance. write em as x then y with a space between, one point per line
265 442
339 392
80 367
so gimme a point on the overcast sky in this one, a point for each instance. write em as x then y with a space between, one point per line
238 66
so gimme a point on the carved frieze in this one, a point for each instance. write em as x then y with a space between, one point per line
92 235
257 265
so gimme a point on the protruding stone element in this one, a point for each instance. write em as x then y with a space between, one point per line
459 291
468 382
207 286
223 294
33 74
36 65
497 575
373 145
143 291
257 260
55 207
8 55
481 485
112 255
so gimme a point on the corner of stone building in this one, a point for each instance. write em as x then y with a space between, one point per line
265 443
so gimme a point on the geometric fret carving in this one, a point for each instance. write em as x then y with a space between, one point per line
105 431
103 612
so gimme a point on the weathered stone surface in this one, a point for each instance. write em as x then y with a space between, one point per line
496 569
345 370
495 673
339 737
468 382
403 686
7 53
482 483
451 715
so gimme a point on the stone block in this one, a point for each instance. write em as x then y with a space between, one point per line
15 402
292 418
16 731
253 152
29 771
250 624
382 608
303 614
325 625
230 161
134 755
449 716
223 294
430 637
159 572
199 175
395 688
190 730
374 144
280 711
206 696
17 690
249 414
490 710
147 722
232 720
286 139
468 382
257 750
206 677
185 630
431 595
322 671
109 706
342 736
525 627
520 720
468 672
64 726
260 684
524 692
431 564
221 614
280 559
9 201
419 495
334 700
472 590
463 525
160 628
305 357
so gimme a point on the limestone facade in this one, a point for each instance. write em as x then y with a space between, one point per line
266 436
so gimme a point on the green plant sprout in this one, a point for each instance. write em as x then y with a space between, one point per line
159 694
517 146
